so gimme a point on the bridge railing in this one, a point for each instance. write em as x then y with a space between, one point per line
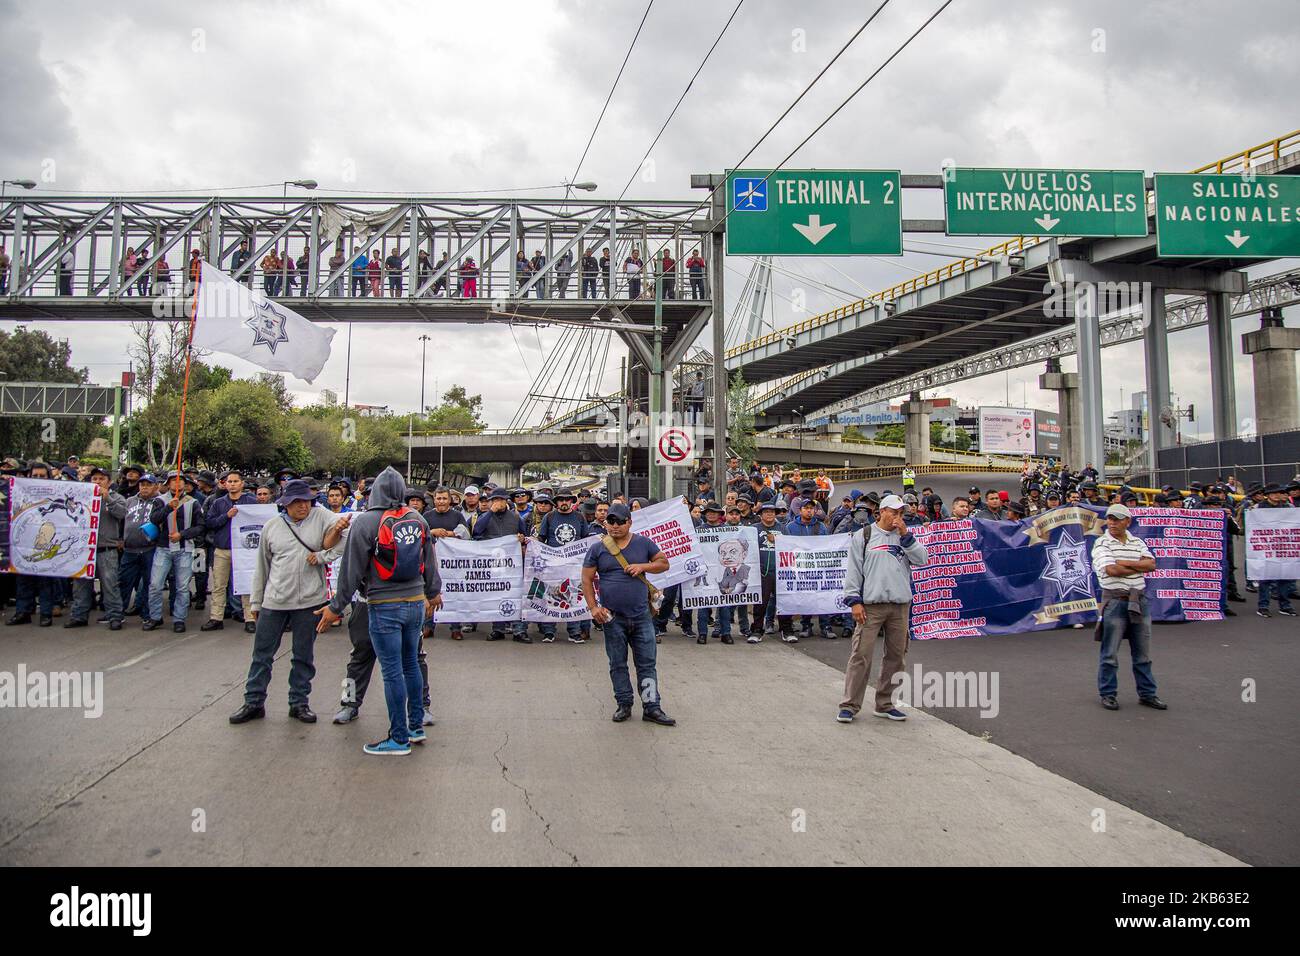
78 245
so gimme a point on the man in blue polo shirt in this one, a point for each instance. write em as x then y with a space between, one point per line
621 560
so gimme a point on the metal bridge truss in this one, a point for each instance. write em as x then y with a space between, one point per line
1279 289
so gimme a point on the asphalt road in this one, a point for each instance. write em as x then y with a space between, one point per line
1213 766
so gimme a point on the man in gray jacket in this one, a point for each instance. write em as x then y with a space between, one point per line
111 514
878 587
288 589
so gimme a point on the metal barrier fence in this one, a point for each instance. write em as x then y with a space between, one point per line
1267 458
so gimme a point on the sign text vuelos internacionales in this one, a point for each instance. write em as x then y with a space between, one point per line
1045 202
1239 216
814 212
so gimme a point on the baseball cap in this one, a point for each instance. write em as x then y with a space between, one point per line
499 494
892 501
471 490
149 477
1118 511
620 512
909 499
1004 496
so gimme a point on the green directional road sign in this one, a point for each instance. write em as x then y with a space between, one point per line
1227 216
1045 202
814 212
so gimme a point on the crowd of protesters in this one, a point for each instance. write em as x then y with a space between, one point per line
164 549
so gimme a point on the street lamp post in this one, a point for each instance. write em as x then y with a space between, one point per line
424 344
802 422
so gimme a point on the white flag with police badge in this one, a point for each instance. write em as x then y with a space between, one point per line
232 318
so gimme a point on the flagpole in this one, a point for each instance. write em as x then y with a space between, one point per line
189 353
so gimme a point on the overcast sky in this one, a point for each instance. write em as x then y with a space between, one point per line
422 97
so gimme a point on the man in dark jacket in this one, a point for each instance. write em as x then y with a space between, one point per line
182 527
1275 497
140 532
502 521
396 611
112 512
217 517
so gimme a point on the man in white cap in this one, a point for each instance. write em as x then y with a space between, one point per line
878 588
1120 560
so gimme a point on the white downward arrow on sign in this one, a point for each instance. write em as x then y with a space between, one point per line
1237 239
1047 222
814 231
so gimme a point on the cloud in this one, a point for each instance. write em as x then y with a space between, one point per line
427 97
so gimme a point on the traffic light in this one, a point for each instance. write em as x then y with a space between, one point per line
1191 413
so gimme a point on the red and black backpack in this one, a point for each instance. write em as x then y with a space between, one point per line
399 545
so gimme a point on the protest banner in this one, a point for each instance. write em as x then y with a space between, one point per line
1190 548
668 524
481 580
245 538
553 581
730 574
1273 544
53 527
810 574
1008 577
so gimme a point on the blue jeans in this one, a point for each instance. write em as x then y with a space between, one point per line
571 628
638 632
271 626
165 561
514 627
395 635
1115 627
1284 590
133 576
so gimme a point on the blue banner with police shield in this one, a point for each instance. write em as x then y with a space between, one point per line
1008 577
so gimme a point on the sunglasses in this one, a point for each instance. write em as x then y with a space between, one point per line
615 521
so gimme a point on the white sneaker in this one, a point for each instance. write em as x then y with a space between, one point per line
790 638
754 639
548 639
578 640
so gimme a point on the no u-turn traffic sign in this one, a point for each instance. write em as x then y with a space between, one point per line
674 446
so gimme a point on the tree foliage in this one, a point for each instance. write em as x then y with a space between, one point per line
342 442
740 420
459 412
27 356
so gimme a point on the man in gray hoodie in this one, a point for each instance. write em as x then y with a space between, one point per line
396 608
288 588
878 587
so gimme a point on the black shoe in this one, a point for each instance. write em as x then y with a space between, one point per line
1263 612
1229 612
302 712
726 639
688 632
1153 702
46 622
149 625
702 639
250 627
248 712
212 626
17 618
178 627
115 625
73 622
103 619
522 639
1110 703
623 713
496 636
657 716
1286 612
1236 599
